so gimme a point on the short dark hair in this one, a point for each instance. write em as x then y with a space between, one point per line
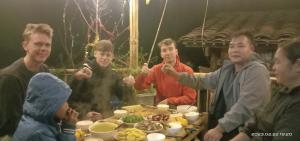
104 46
167 41
245 33
292 49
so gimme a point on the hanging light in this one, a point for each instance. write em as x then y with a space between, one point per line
147 2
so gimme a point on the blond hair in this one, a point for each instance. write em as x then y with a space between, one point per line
167 41
37 28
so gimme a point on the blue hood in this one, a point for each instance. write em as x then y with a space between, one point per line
45 95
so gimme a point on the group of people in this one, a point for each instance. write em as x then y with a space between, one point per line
242 107
34 103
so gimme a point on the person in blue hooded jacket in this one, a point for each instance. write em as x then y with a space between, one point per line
46 113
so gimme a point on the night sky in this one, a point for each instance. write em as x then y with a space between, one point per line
181 17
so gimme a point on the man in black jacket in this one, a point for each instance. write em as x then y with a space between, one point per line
37 41
97 89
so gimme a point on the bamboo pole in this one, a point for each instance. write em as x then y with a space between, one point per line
134 33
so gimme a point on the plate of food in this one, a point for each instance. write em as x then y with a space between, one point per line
130 120
149 126
130 134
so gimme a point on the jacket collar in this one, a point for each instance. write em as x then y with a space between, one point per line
292 91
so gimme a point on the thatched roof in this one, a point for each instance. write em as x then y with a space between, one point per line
269 28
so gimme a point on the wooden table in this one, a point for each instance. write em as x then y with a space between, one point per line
187 133
191 131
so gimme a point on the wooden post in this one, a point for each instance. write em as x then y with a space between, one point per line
134 33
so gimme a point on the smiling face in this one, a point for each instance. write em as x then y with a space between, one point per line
38 47
240 50
285 71
103 58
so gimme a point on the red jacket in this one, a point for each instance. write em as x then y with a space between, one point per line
167 86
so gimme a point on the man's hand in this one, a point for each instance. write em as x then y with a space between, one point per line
214 134
93 116
169 69
129 80
145 69
241 137
71 117
84 73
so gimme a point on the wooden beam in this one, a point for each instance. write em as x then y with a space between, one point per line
134 33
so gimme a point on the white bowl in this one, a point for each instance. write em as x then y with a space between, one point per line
163 106
104 130
120 113
176 115
84 124
191 116
174 128
186 108
156 137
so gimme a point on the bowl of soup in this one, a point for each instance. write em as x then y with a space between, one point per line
104 130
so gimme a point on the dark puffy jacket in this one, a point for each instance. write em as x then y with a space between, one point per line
45 95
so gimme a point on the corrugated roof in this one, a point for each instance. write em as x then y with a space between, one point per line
269 28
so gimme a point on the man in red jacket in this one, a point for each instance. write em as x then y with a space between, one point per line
168 89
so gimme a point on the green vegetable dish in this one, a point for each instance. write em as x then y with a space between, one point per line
132 118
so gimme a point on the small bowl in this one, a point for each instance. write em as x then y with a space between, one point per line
120 113
174 128
191 116
163 106
104 130
176 115
186 108
84 124
156 137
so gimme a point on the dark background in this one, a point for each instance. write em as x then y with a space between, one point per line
180 18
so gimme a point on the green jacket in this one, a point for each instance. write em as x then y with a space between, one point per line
104 90
279 120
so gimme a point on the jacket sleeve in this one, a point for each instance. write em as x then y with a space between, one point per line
144 81
209 81
124 92
288 125
254 92
79 88
68 132
11 101
38 136
189 95
41 136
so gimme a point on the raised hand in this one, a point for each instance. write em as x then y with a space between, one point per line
129 80
94 116
145 69
84 73
71 117
169 69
